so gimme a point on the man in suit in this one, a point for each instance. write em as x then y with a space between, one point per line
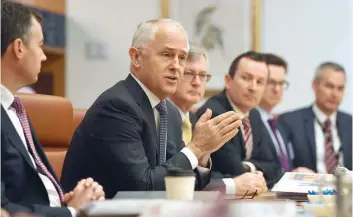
320 134
126 128
248 151
28 183
276 84
190 91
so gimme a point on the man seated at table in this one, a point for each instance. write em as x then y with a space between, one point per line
122 140
190 91
28 182
249 150
321 135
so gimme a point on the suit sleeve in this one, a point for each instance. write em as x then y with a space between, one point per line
116 136
41 210
176 144
263 160
224 166
282 121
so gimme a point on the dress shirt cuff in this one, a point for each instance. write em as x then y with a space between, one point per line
191 156
250 165
230 186
203 170
73 211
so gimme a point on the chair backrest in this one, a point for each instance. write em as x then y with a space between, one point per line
79 114
52 119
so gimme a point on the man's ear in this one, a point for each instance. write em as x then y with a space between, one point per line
315 84
18 48
134 57
227 80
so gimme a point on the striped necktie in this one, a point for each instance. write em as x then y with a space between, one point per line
248 139
331 158
163 124
22 116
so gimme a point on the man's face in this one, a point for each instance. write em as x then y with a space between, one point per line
329 90
162 63
31 58
246 88
192 86
275 86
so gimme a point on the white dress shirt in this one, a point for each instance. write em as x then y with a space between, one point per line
7 99
320 138
154 100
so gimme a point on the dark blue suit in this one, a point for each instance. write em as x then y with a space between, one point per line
22 190
116 144
272 147
227 161
299 129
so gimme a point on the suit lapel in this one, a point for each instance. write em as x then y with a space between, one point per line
13 136
43 157
255 114
310 132
142 100
342 134
238 139
287 144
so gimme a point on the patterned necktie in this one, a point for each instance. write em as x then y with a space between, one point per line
187 130
331 159
163 124
21 113
247 134
283 158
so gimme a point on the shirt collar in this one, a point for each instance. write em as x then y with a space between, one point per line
182 114
265 116
7 97
235 108
154 100
322 117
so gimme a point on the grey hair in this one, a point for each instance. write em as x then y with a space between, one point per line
146 32
328 65
196 51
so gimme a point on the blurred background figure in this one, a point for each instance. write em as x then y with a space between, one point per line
190 91
321 134
248 151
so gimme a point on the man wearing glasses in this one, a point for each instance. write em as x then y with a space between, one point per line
276 84
191 88
190 91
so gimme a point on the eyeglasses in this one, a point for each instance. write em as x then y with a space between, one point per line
189 76
281 84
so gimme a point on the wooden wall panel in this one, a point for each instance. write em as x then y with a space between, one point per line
57 6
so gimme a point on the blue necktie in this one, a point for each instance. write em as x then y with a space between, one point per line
163 123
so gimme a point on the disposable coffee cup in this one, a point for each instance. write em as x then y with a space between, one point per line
180 184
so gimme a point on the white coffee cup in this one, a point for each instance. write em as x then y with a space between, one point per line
180 184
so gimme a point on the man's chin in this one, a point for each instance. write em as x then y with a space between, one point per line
193 100
169 91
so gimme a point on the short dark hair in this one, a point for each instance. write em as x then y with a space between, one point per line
273 59
16 21
253 55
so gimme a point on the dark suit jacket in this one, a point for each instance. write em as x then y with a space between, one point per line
116 143
299 128
22 190
228 159
272 147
